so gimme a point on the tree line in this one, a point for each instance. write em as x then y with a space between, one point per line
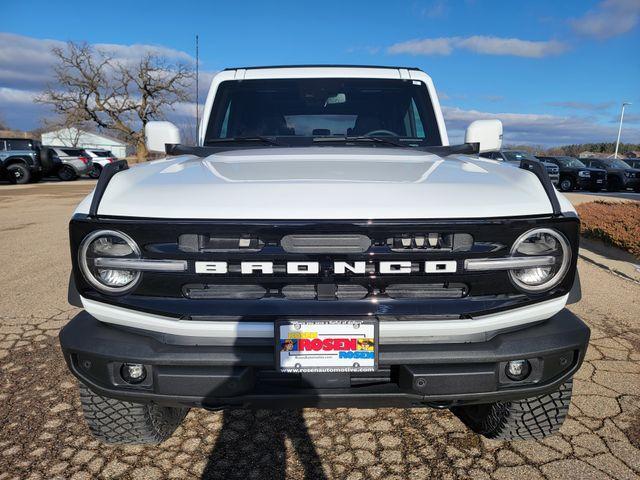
604 148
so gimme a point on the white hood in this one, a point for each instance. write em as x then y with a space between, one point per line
324 183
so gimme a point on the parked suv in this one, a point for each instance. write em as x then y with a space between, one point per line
20 160
633 162
73 161
515 157
620 175
575 174
324 246
100 158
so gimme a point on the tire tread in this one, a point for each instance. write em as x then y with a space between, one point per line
119 422
530 418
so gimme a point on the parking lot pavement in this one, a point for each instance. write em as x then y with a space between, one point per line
42 434
577 198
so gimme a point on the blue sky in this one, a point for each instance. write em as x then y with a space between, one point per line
555 71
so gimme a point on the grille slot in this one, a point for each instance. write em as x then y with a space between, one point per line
299 292
310 292
351 292
426 290
325 243
233 292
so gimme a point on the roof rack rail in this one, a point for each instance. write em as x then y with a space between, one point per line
319 65
103 181
540 171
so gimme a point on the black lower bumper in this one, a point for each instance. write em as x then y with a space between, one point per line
409 375
590 183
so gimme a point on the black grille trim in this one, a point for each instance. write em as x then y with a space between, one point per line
325 243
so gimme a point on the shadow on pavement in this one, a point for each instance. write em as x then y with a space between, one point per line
252 444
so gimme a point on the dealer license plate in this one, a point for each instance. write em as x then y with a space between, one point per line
327 346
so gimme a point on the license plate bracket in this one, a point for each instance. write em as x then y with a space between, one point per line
303 346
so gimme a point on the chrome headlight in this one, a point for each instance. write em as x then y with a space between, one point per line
541 242
584 173
108 244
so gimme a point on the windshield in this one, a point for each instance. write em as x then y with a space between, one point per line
616 163
570 162
514 156
72 152
102 153
323 107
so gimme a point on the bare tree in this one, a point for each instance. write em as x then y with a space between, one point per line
122 97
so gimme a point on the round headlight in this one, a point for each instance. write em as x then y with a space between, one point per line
108 244
541 242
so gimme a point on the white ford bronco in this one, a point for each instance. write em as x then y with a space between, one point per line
324 246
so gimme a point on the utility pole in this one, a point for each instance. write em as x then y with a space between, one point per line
624 104
197 89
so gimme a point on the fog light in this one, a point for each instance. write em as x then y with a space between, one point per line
133 373
518 369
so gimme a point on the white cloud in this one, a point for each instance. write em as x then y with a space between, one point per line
588 106
609 19
479 44
537 129
427 46
436 9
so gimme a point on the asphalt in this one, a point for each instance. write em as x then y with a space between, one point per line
42 434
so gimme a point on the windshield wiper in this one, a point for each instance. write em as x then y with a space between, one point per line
257 138
381 140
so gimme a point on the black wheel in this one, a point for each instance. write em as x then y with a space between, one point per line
67 173
95 171
567 184
535 417
118 422
18 173
614 184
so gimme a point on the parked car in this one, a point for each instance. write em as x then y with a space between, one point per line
100 158
73 161
620 175
633 162
20 160
574 174
324 246
515 157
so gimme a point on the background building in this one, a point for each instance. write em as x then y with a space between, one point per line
72 137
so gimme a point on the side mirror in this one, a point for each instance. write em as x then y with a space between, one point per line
158 134
488 133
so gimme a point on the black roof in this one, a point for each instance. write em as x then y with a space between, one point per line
30 139
312 65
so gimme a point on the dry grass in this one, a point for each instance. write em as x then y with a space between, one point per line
617 224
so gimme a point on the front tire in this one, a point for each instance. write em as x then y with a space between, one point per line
567 184
119 422
67 173
531 418
18 174
95 171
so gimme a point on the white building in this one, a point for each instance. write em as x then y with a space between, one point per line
72 137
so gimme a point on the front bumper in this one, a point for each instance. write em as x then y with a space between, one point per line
243 375
591 183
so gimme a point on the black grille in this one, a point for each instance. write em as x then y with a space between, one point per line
418 292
